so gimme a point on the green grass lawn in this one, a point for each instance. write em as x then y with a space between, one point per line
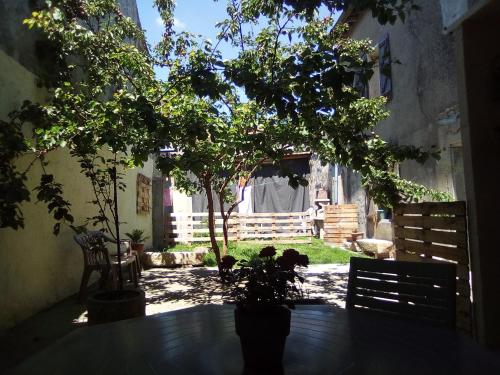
317 251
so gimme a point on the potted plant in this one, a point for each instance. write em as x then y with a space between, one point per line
137 239
264 289
112 305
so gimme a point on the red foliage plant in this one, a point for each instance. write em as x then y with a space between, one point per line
267 279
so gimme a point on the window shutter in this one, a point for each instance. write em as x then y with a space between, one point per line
360 83
385 68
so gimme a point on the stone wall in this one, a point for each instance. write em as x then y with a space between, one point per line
424 101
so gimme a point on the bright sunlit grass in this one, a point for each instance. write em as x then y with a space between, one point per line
317 251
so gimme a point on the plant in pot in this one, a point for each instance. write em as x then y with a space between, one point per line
264 289
123 303
137 239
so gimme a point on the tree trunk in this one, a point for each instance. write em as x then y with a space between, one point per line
225 225
117 228
211 221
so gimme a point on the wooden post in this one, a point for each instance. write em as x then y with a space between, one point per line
158 218
236 225
189 229
273 226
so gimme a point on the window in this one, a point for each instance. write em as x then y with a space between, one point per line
385 73
380 83
360 82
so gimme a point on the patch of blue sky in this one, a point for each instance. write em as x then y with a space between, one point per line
195 16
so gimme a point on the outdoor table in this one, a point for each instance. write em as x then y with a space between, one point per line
323 340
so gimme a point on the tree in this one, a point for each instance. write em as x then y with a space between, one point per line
296 73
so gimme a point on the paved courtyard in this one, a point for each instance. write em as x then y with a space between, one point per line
172 289
166 290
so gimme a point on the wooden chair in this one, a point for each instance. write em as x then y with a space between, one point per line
423 291
96 258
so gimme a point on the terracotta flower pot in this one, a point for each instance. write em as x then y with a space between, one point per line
112 305
139 247
263 334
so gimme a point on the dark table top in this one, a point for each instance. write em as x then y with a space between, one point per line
323 340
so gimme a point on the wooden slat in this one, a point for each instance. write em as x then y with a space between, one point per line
277 229
241 230
344 220
198 239
435 222
402 277
290 241
428 208
236 214
431 270
260 242
341 215
191 230
337 215
423 300
273 235
456 254
273 214
270 221
423 311
338 207
452 238
198 222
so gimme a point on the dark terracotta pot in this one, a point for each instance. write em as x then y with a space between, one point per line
112 305
263 333
139 247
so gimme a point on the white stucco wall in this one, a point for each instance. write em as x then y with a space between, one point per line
37 268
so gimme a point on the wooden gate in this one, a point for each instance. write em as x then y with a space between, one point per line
437 232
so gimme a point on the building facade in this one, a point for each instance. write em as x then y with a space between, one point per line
415 70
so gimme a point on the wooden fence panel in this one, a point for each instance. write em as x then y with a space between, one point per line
340 221
437 232
289 227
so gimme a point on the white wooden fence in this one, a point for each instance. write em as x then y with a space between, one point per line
289 227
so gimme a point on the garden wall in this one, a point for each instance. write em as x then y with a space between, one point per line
38 269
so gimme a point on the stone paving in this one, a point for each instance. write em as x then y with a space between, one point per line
173 289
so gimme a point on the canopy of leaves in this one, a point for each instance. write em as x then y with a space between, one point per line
296 72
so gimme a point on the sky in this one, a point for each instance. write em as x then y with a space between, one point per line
195 16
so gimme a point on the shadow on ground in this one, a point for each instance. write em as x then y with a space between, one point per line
171 289
166 290
39 331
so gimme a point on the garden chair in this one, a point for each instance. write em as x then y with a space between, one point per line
96 258
416 290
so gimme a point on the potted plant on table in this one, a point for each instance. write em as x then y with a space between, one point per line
264 289
137 239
